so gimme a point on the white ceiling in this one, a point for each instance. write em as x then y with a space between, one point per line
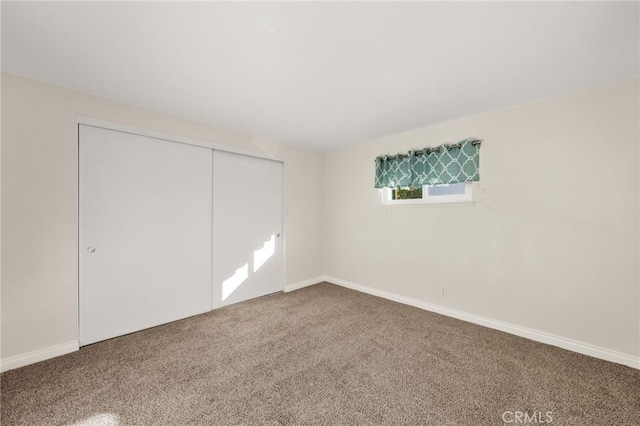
324 75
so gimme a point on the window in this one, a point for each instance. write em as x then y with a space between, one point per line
454 193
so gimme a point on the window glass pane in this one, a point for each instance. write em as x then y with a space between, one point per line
408 193
446 189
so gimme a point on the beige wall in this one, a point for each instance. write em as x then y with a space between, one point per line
39 190
552 242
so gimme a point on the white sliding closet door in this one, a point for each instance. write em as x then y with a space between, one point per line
144 232
248 258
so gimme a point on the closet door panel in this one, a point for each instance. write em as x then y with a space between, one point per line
144 232
248 259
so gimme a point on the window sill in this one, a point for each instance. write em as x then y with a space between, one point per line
410 203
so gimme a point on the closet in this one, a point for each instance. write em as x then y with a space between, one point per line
169 229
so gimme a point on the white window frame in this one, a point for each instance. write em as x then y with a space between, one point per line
465 199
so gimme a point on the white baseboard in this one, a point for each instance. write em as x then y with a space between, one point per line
302 284
18 361
39 355
538 336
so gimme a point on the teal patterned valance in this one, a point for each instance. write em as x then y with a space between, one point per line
453 163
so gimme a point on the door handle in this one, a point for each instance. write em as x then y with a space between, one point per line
91 249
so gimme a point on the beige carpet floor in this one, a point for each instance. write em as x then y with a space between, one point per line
323 355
